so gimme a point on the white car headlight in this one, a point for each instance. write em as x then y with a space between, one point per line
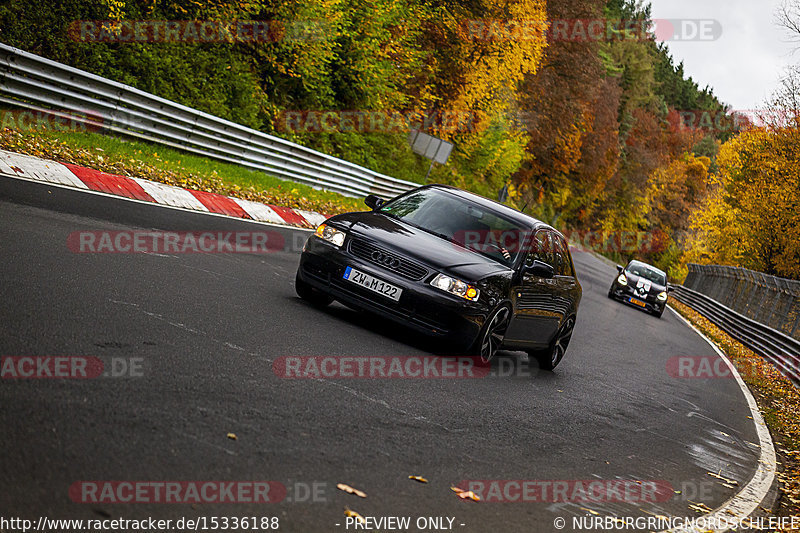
456 286
662 296
332 235
622 279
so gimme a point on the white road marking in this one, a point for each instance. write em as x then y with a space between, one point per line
746 501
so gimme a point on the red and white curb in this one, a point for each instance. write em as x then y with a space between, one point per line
63 174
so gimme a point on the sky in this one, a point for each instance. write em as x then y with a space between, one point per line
745 63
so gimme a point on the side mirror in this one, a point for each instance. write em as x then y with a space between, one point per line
373 201
620 268
540 269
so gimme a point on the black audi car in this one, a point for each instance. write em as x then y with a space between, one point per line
641 285
450 264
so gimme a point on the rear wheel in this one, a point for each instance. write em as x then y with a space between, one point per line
310 294
492 334
550 357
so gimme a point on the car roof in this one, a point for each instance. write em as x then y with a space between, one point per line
509 212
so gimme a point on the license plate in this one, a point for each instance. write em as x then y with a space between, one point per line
372 283
634 301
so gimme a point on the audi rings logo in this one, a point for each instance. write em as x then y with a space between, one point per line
385 260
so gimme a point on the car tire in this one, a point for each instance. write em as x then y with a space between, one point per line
550 357
658 315
492 334
611 293
310 294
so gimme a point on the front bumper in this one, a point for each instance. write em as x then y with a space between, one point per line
421 307
624 293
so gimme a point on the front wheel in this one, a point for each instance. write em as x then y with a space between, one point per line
550 357
310 294
492 334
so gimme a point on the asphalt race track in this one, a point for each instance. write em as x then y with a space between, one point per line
207 328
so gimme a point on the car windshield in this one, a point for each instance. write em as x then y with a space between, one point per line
460 221
647 272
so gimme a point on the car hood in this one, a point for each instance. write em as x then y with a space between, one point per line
419 245
646 288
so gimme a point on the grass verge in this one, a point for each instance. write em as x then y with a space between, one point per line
157 163
779 402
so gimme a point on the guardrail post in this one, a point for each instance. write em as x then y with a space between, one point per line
751 310
773 306
760 309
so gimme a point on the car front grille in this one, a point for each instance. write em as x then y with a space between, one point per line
388 260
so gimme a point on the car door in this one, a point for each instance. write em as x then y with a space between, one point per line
535 321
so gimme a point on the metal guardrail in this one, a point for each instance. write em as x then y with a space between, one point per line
37 83
770 300
779 349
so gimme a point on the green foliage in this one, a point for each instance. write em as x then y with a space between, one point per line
678 91
487 159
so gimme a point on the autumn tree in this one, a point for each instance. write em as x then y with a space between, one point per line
751 219
559 105
674 189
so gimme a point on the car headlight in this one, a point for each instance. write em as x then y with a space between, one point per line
332 235
456 286
622 280
662 296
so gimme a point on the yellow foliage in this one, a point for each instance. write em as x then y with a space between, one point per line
751 217
490 62
673 188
